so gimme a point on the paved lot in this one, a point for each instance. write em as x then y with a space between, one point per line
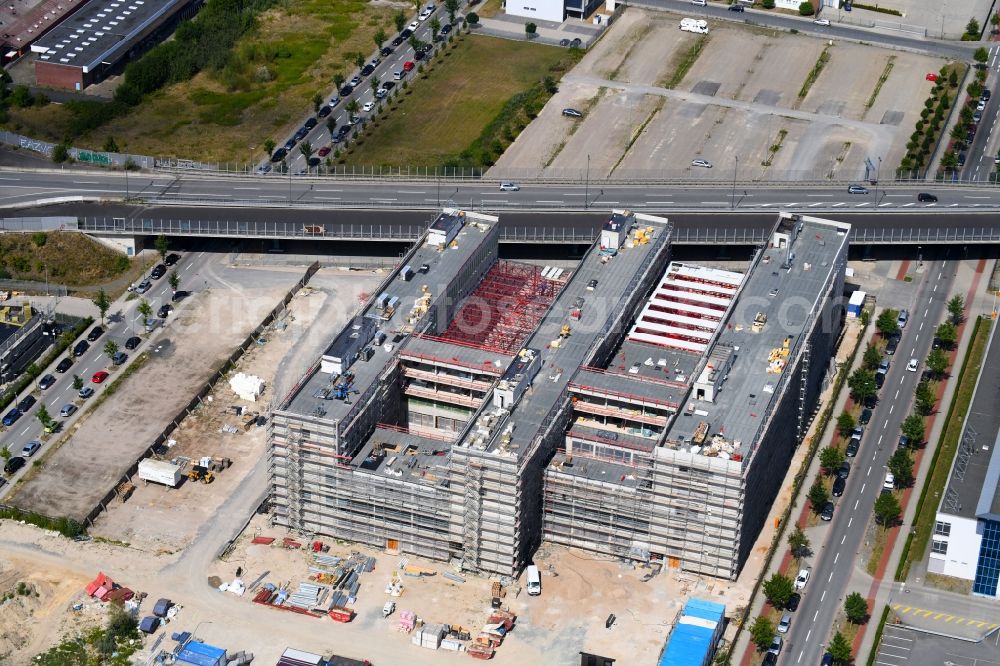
197 337
739 98
905 647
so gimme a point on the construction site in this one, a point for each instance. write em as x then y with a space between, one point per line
631 406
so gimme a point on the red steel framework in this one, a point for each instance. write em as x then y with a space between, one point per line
504 309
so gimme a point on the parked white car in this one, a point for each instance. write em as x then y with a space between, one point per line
802 579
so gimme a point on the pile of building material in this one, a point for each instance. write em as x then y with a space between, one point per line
247 387
307 596
429 636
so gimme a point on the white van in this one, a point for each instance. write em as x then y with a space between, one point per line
700 3
534 581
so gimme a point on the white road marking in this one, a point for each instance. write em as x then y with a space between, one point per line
24 431
823 596
891 408
815 616
842 539
856 504
246 188
717 203
922 323
840 203
548 202
880 440
897 390
819 195
648 203
909 204
835 558
830 577
851 520
886 424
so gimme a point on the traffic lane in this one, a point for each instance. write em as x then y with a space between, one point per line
836 557
984 143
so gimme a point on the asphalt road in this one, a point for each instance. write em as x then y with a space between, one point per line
886 38
123 322
22 187
979 162
364 92
835 560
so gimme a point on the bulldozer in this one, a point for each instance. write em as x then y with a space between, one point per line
201 473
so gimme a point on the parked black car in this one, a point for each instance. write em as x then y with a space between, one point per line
133 342
96 332
64 365
14 464
158 271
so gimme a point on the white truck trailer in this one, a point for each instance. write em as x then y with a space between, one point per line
160 471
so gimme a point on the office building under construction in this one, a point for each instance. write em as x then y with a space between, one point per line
476 406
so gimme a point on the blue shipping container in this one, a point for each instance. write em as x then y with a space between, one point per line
201 654
692 642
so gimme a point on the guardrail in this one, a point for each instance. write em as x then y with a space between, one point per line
724 234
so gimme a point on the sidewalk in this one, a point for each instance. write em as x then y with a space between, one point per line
547 32
881 588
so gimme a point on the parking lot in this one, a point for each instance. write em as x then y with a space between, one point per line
194 340
651 105
905 647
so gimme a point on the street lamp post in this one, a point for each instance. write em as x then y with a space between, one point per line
125 166
250 163
736 166
586 186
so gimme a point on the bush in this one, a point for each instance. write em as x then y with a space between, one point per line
806 9
472 18
530 28
60 153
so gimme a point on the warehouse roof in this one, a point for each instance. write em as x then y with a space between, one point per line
102 31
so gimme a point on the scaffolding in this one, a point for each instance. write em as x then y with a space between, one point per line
504 309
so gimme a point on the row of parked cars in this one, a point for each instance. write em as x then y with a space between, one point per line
348 88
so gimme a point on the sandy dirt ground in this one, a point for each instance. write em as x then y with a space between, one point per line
195 340
751 66
160 519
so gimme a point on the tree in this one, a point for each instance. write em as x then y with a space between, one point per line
530 28
887 509
937 362
830 459
845 424
862 384
723 658
761 632
913 427
856 608
60 153
110 349
173 280
375 83
956 308
435 25
925 398
414 42
886 323
975 89
901 465
331 124
798 542
472 18
77 382
307 152
103 303
379 38
972 28
451 6
840 650
269 146
352 106
110 146
399 19
145 309
162 246
317 101
359 59
778 589
871 358
946 334
43 415
338 80
806 9
981 54
5 453
818 496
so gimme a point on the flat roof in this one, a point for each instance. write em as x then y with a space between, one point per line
594 470
444 266
559 364
654 362
403 454
972 490
28 27
633 387
748 394
102 31
481 360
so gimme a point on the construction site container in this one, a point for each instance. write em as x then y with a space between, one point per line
406 274
161 607
149 624
855 304
160 471
293 657
201 654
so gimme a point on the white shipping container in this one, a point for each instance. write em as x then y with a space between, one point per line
160 471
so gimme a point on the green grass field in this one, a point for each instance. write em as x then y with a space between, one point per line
266 91
443 111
